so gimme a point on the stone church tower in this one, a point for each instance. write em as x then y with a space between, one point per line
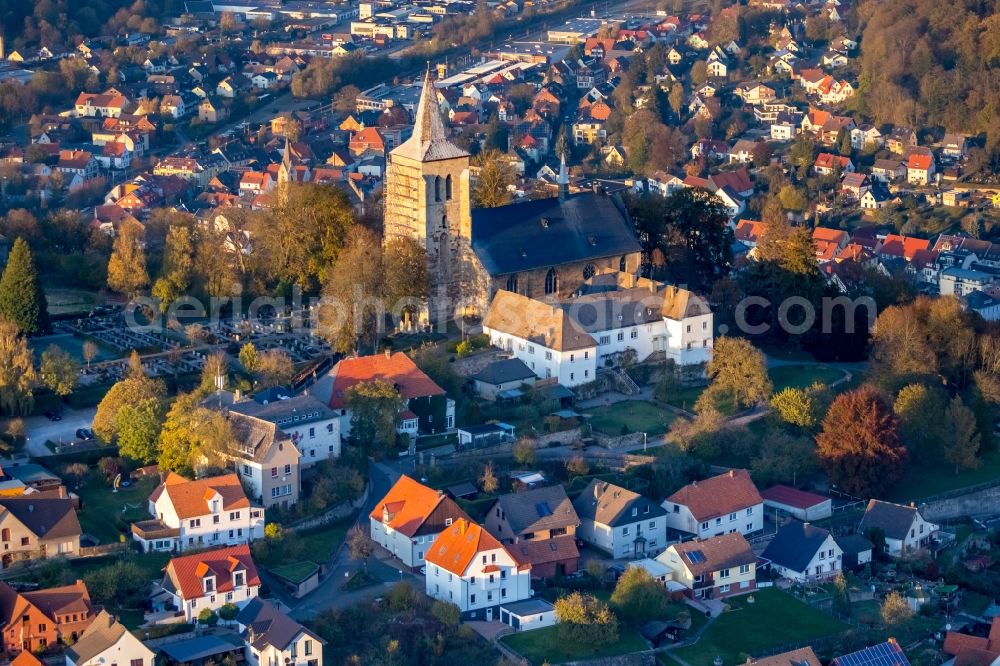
427 198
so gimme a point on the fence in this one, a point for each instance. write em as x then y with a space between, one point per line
339 512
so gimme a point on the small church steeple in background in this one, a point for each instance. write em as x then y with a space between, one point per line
563 180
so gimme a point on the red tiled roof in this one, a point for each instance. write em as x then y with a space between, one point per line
903 246
190 498
545 551
396 369
920 162
457 546
407 506
974 650
749 230
718 495
793 497
188 571
739 180
720 552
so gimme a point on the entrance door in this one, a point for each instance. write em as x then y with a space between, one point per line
489 614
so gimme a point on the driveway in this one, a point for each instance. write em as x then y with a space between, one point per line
40 429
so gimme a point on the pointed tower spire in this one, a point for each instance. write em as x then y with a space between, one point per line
428 141
563 180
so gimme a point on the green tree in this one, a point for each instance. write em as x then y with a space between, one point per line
737 371
375 408
349 314
17 370
228 612
784 458
127 266
405 282
138 425
191 433
58 370
895 611
921 435
524 452
794 406
793 198
962 442
22 300
178 267
248 357
859 445
208 617
841 597
488 479
493 179
638 597
676 99
274 368
583 619
577 466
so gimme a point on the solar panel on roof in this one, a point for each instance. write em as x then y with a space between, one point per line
696 557
542 509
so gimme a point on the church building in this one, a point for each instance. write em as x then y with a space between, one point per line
541 248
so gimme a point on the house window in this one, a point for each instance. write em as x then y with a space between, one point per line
571 376
724 589
605 339
447 188
624 531
750 511
437 188
548 356
652 524
512 283
274 472
621 335
25 541
732 517
749 527
312 432
551 282
307 648
234 515
288 469
822 554
135 662
718 521
704 525
216 520
447 521
634 334
472 598
724 573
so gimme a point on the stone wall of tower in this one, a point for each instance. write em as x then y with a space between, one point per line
417 206
570 276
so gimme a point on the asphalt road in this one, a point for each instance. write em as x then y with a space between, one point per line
40 429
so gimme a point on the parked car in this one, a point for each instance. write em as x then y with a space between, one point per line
53 415
84 434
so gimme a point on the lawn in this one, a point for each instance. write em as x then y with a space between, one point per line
543 646
774 619
782 377
631 415
321 543
923 481
101 509
295 572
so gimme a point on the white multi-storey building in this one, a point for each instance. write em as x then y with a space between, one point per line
272 637
192 583
724 504
468 567
313 427
206 512
614 317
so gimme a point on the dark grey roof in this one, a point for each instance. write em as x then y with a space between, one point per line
795 544
893 519
608 504
503 371
852 544
550 232
201 647
266 625
528 607
47 518
287 411
538 509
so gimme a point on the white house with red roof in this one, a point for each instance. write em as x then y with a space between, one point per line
196 514
920 168
407 520
468 567
724 504
427 409
212 579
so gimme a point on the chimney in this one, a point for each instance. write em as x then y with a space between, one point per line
388 352
913 505
732 474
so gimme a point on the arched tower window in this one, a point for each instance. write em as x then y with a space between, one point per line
437 188
447 188
622 264
551 282
588 271
512 283
444 221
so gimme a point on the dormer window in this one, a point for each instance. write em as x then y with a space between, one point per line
215 506
209 582
239 578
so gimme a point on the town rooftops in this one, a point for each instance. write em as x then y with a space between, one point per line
974 650
102 633
883 654
536 321
504 371
795 544
544 551
303 408
539 509
801 657
792 497
722 552
852 544
920 162
408 506
893 519
903 246
457 546
47 518
53 602
268 626
608 504
395 368
190 499
748 231
186 574
718 495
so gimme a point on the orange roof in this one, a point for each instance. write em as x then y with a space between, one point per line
545 551
190 498
920 162
397 369
26 659
974 650
408 505
829 235
749 230
456 547
188 571
369 136
817 117
903 246
718 495
600 111
830 161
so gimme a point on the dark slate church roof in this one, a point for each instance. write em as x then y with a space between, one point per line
550 232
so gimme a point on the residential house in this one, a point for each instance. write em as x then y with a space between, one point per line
105 105
857 551
920 168
969 649
107 641
900 139
722 504
962 282
884 653
266 460
800 657
427 409
804 553
264 80
888 171
828 163
35 528
202 513
313 426
619 521
748 232
539 526
905 530
742 151
273 638
664 183
902 247
468 567
79 163
714 568
549 337
755 93
502 379
954 145
35 619
212 111
227 88
866 137
829 243
253 183
407 520
209 580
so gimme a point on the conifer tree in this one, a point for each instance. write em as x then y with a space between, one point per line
22 300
